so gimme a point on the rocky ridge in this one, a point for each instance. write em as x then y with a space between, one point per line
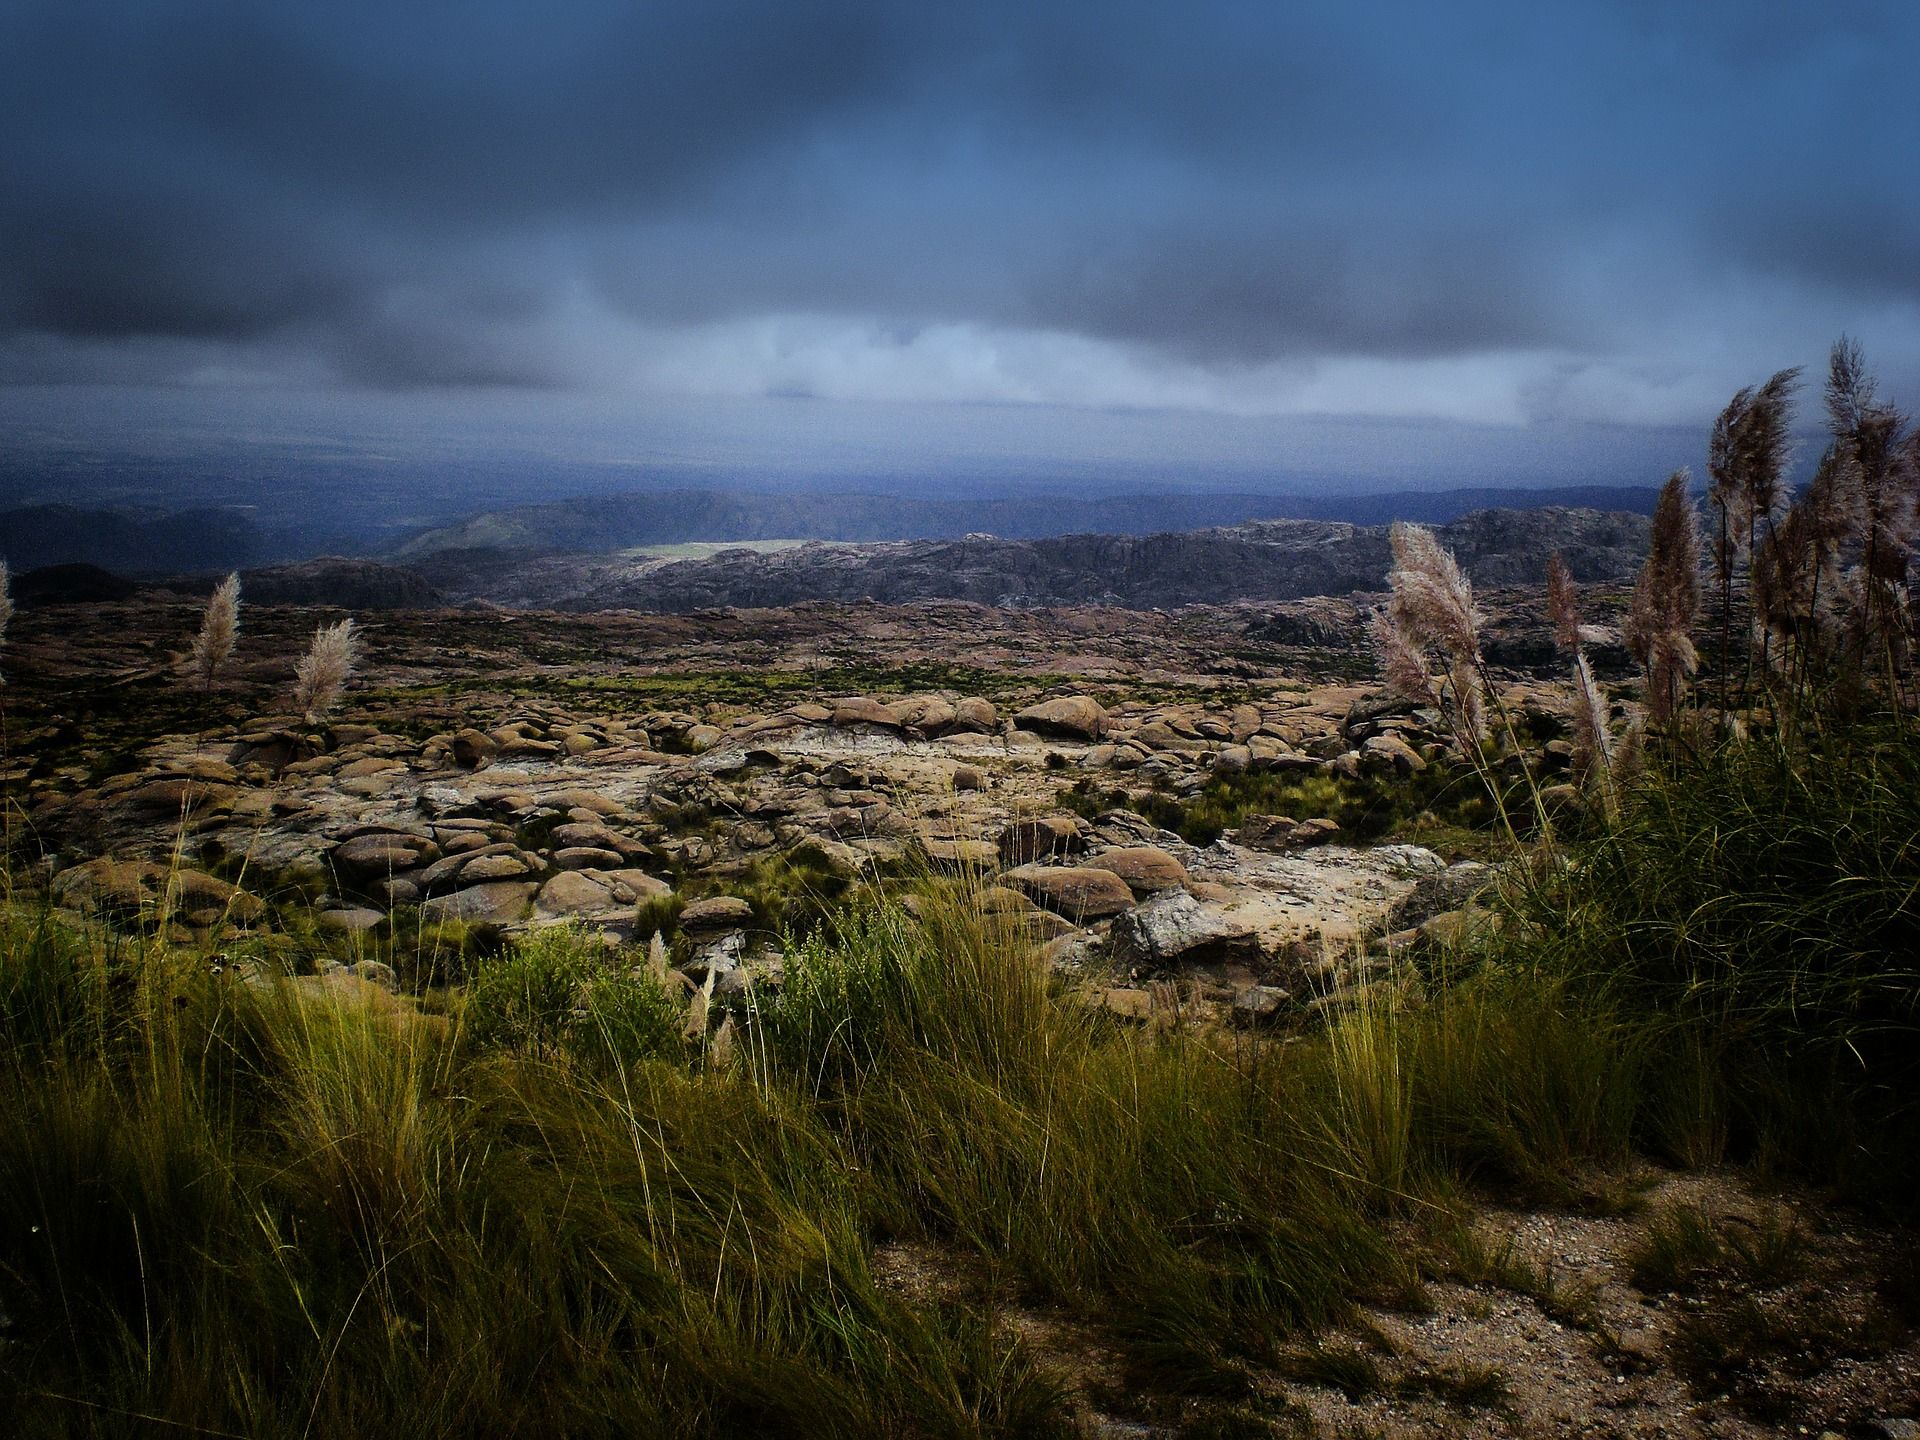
1266 560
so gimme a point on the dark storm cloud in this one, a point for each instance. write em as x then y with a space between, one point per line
473 192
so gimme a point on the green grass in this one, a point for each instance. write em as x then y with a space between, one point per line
1685 1247
1755 916
1436 806
260 1208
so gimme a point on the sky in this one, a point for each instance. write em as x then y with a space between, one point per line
917 233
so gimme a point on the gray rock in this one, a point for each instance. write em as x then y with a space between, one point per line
376 972
1041 838
1173 927
497 902
351 920
385 853
1260 1005
717 957
1146 868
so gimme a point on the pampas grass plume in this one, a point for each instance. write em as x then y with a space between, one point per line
323 671
1666 598
1432 599
218 630
1470 699
1402 665
1592 741
1562 609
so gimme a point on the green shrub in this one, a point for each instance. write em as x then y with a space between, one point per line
559 990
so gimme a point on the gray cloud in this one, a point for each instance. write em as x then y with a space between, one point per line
504 194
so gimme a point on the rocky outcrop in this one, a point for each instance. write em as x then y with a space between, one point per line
335 581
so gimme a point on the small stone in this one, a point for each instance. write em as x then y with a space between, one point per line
474 749
977 715
1233 760
859 710
575 892
352 920
959 854
494 867
1260 1005
586 857
1172 927
376 972
386 853
498 902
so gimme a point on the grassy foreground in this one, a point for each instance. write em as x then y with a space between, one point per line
239 1204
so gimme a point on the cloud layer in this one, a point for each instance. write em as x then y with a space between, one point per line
1493 212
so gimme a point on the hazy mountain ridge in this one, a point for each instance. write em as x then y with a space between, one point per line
151 540
601 523
130 541
1266 560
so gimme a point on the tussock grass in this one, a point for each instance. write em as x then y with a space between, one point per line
1753 917
268 1205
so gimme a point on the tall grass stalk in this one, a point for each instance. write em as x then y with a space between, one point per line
322 673
219 629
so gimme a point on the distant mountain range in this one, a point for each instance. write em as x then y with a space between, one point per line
600 524
150 541
128 542
1262 560
693 549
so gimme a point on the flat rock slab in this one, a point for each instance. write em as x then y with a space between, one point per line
499 902
1334 891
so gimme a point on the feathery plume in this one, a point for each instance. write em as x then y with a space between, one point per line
1402 664
323 671
1431 608
1726 488
1796 577
1880 464
1666 598
1469 699
1592 741
1850 389
1562 608
218 630
1432 600
1762 444
1630 755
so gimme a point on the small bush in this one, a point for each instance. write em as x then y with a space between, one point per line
559 991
